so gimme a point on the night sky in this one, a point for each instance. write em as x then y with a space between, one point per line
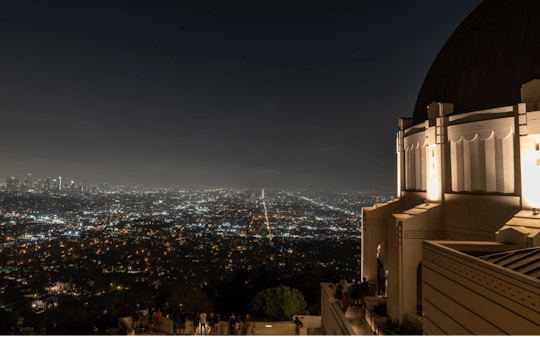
261 94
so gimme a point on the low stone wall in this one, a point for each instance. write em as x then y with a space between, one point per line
373 320
333 321
167 327
273 328
311 324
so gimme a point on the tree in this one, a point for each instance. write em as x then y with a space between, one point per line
279 303
192 300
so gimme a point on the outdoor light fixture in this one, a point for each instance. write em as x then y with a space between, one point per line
535 211
268 326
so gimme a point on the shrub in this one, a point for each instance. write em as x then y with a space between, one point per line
279 303
380 309
391 327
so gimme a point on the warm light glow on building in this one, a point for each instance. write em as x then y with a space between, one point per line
531 171
434 179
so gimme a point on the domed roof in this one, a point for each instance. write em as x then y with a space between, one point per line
486 60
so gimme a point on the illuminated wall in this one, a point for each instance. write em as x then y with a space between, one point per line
415 162
482 156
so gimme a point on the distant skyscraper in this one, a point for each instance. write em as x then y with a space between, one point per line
54 185
59 183
47 184
12 184
28 182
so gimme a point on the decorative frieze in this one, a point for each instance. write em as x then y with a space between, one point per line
442 235
455 236
376 222
425 234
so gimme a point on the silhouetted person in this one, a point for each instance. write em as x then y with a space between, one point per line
176 322
355 295
364 288
183 318
342 299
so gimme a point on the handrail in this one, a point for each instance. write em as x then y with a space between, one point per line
343 322
373 321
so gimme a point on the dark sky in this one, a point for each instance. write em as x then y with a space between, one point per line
262 93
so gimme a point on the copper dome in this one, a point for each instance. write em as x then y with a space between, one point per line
486 60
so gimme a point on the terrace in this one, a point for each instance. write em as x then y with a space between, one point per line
312 326
334 322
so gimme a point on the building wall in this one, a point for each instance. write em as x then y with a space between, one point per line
481 154
477 217
463 295
405 239
374 231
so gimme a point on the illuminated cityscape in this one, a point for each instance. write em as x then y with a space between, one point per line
85 241
250 168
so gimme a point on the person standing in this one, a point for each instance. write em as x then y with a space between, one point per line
364 288
151 320
135 320
195 323
232 322
141 319
247 323
237 325
159 314
344 285
210 327
203 323
176 321
216 324
355 295
342 299
183 318
299 324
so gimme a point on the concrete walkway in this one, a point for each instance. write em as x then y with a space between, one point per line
356 317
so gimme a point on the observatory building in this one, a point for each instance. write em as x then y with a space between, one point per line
458 251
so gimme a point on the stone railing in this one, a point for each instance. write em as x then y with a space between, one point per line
333 321
374 321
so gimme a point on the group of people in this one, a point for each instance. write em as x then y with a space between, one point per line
179 322
359 291
154 319
238 326
203 323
